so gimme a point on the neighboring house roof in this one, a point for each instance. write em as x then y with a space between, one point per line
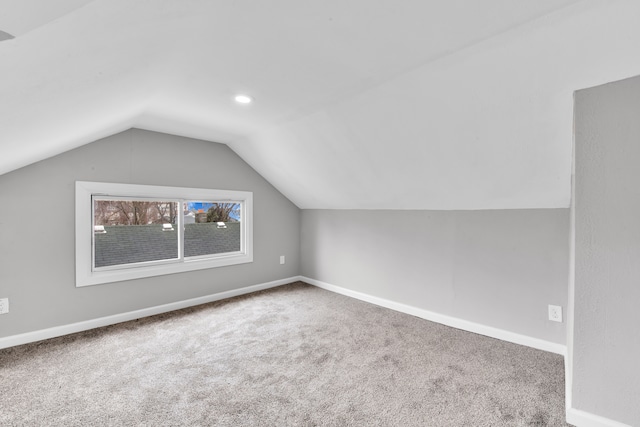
207 238
127 244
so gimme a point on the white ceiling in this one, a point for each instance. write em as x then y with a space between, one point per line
375 104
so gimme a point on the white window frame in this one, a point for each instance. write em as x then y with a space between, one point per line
86 275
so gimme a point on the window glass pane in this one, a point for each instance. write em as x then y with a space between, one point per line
132 231
211 227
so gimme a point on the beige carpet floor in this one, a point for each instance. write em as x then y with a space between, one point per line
294 355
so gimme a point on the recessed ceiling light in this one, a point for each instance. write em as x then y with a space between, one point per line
243 99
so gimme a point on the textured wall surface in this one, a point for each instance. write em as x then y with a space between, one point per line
497 268
37 252
606 377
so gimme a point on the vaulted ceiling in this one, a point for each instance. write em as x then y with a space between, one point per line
375 104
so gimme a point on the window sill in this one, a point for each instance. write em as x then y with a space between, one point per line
100 277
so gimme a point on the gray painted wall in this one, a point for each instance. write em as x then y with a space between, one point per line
606 342
37 253
497 268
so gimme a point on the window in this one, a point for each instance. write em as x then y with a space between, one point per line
133 231
128 231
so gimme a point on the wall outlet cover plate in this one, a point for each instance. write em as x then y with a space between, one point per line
555 313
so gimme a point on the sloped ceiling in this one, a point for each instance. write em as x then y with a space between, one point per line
380 104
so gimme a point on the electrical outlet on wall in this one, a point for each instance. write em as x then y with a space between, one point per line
281 259
555 313
4 305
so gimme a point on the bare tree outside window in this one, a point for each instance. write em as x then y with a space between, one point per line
134 212
224 212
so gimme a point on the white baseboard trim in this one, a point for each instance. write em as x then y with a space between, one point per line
58 331
574 416
445 320
585 419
